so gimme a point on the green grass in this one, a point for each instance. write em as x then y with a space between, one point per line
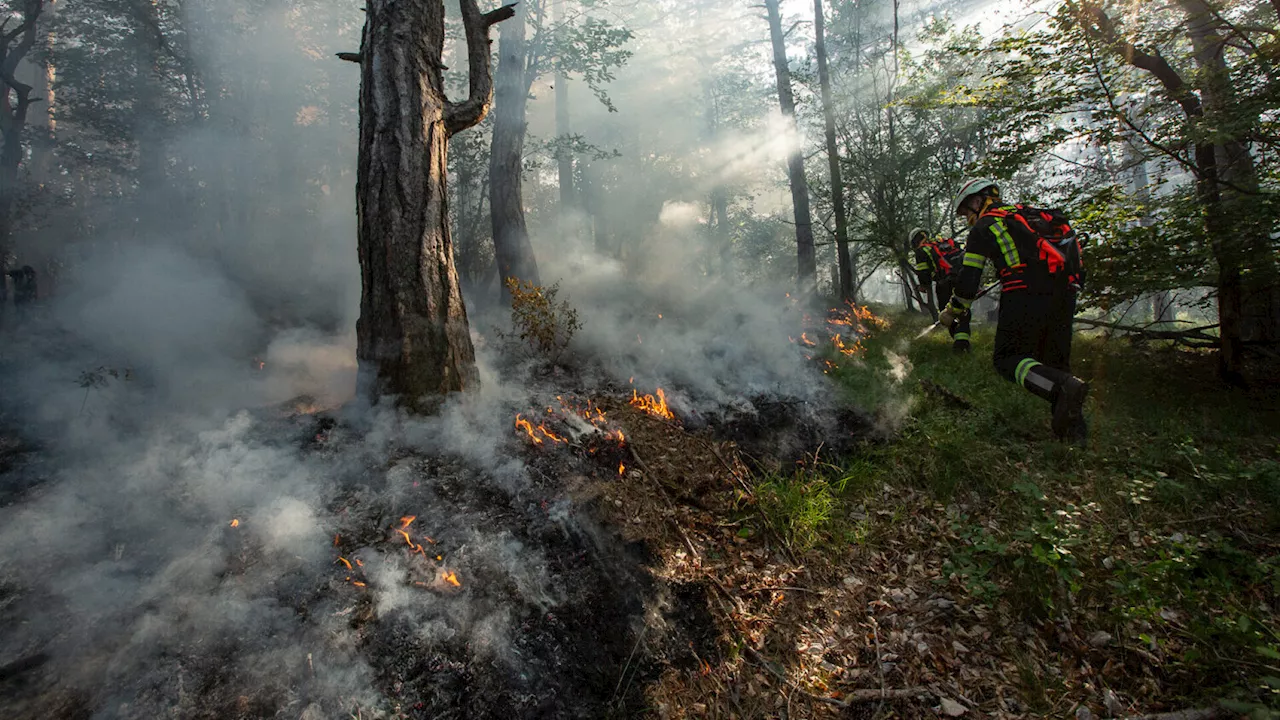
1166 528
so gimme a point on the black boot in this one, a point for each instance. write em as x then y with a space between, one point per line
1068 411
1067 393
960 347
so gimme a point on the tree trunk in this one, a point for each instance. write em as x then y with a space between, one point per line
833 159
564 158
807 274
511 244
14 105
1248 296
147 40
413 341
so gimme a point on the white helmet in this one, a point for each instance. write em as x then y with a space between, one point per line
973 187
911 236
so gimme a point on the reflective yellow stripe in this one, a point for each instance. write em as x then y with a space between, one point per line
960 336
1024 367
974 260
922 266
1007 248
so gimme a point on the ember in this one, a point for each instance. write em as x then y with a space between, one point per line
235 523
451 578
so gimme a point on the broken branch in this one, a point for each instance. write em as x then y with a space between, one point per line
1203 714
354 57
460 116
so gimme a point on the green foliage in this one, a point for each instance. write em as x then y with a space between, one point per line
1162 531
543 324
798 507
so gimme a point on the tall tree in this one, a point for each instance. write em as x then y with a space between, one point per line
1226 183
15 43
591 49
807 271
413 340
564 158
511 245
846 266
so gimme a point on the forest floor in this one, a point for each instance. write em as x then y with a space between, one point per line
971 565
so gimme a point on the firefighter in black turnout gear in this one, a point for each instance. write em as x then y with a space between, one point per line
1037 260
937 265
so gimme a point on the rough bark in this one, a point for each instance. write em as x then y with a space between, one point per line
512 249
807 270
833 159
413 341
15 44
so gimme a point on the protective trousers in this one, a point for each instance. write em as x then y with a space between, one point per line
1033 340
945 288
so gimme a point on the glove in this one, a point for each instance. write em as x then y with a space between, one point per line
948 316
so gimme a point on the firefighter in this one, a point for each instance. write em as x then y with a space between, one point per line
1037 303
937 264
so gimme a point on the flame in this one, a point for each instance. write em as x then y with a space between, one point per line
804 339
344 561
235 523
451 578
357 583
654 406
525 425
406 521
359 562
621 468
533 430
406 537
335 540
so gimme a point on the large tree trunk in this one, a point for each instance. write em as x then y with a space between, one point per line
833 159
1221 171
14 104
413 341
147 118
564 158
511 244
807 271
1248 294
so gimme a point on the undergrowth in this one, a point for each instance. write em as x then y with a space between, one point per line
1163 534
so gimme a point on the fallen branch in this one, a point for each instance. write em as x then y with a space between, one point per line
851 697
934 388
675 521
1186 337
1204 714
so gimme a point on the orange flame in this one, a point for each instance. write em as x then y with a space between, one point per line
406 537
804 339
451 578
407 520
357 583
621 468
344 561
235 523
525 425
335 540
654 406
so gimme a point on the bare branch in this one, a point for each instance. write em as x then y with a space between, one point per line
460 116
354 57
